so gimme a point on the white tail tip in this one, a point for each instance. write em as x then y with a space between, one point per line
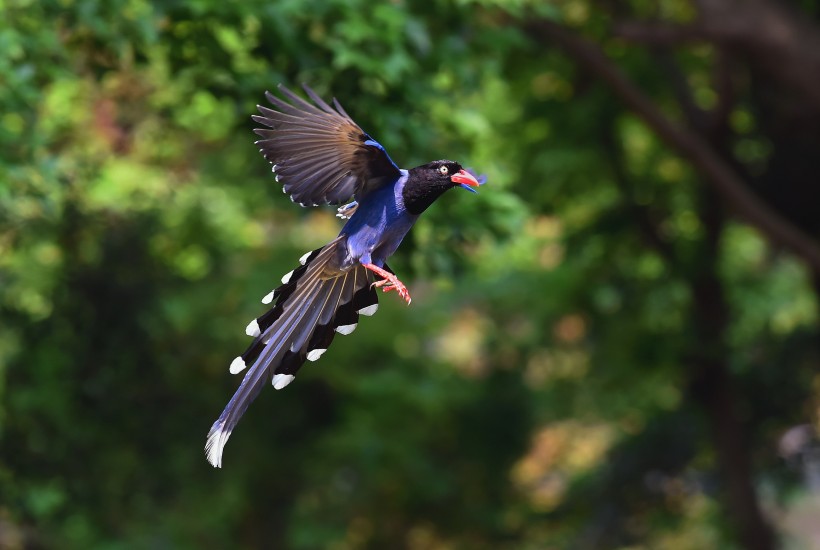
369 310
217 438
314 354
281 380
253 329
346 329
237 365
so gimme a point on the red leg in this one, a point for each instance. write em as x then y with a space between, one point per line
391 281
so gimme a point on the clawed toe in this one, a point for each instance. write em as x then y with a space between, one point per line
389 282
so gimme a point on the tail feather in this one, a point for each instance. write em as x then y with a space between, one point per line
327 297
324 332
310 308
251 384
312 344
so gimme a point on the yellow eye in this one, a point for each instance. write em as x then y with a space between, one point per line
444 170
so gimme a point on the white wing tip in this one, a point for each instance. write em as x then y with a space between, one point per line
253 329
237 365
346 329
369 310
286 277
281 380
268 297
304 258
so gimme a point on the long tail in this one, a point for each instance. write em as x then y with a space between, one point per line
312 305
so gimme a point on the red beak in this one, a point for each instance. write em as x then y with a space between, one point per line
465 179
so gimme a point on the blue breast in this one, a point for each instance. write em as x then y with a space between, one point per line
379 224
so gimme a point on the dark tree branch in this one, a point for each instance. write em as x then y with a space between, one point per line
770 35
709 164
659 34
680 87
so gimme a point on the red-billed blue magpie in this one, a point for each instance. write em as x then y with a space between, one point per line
322 156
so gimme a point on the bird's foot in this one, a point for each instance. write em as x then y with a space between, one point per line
389 282
387 286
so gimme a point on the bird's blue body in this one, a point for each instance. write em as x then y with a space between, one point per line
378 226
322 156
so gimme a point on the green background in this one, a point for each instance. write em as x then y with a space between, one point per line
604 347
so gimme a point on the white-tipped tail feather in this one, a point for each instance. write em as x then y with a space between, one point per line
253 329
281 380
300 327
346 329
369 310
214 446
237 365
314 354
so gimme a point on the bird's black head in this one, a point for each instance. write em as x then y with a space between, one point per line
429 181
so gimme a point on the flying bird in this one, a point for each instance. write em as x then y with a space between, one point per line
321 156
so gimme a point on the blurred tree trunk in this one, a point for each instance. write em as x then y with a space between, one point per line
713 387
775 54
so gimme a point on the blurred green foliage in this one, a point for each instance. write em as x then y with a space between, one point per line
536 395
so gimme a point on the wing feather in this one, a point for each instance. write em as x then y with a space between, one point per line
321 155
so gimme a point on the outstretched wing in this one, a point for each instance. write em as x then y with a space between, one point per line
318 153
